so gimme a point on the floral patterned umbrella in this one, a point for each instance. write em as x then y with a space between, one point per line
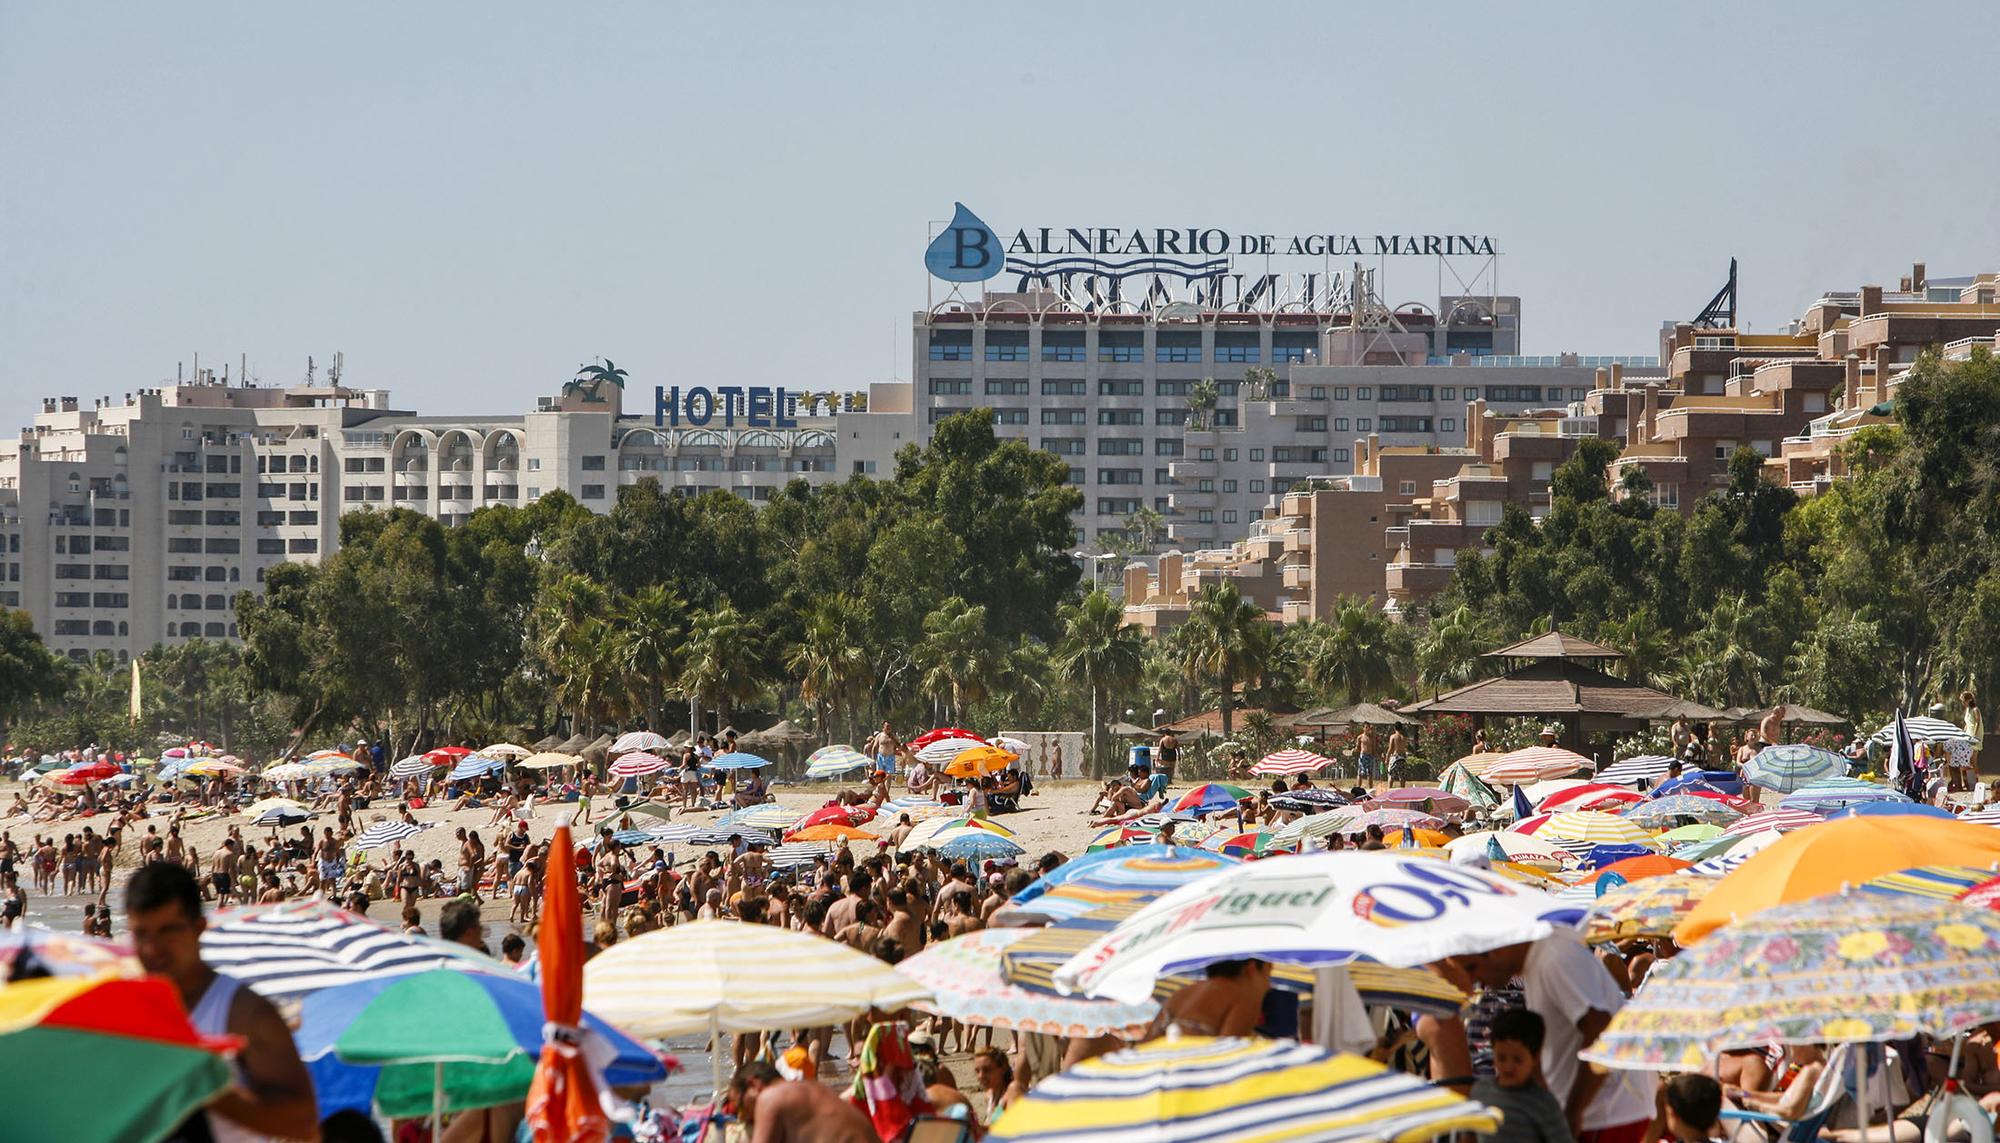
1843 968
1675 808
1647 908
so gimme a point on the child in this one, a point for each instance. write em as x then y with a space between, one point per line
1533 1115
1694 1108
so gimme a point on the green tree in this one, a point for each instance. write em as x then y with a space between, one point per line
1449 648
29 672
1224 640
1349 654
724 661
828 661
1101 652
647 643
956 655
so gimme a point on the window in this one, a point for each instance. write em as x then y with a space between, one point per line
1513 392
215 575
593 464
72 626
1224 418
1256 486
1121 476
184 517
1007 345
303 546
593 492
270 547
1007 386
1204 516
1406 424
1363 393
1408 393
1406 487
114 571
1229 456
1340 392
178 544
1120 345
181 575
1227 388
303 518
1342 424
216 519
951 345
1447 424
1815 402
1364 424
223 547
1064 345
1062 387
1170 418
1292 345
1164 476
939 414
216 603
1118 506
1229 486
1311 424
1171 388
1317 392
1063 416
1578 394
1121 416
1229 515
1342 456
1133 388
1298 455
1723 449
72 599
1010 416
1120 446
534 464
1064 446
1237 348
1483 513
1166 446
224 491
1177 346
1205 484
1205 454
1076 476
351 492
1541 470
112 599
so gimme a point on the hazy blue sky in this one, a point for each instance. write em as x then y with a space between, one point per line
471 198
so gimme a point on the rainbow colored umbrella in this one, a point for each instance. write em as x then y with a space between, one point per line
1120 835
1235 1091
1252 844
1111 876
104 1058
1933 882
1210 798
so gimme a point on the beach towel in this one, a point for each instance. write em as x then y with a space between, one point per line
887 1086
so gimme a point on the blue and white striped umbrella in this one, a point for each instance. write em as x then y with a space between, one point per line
974 845
415 766
736 760
382 833
473 766
769 816
687 833
1648 768
1837 793
1726 862
833 761
796 853
299 947
1789 766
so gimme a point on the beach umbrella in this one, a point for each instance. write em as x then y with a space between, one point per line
1310 800
62 954
1647 768
507 751
1465 784
415 766
289 772
1700 831
289 950
109 1059
1235 1091
1781 820
830 831
1988 816
979 761
964 977
940 734
833 761
1415 797
1210 798
1636 868
1593 827
473 766
1393 818
767 816
265 805
918 807
1841 968
1932 882
726 976
384 832
974 845
448 755
833 813
1589 796
931 827
1675 808
796 853
279 817
1250 844
1923 728
1787 766
943 750
1341 821
1726 853
174 752
1985 895
1533 764
1313 909
1118 835
1291 761
1894 809
1134 872
445 1041
1646 908
1478 761
1826 857
638 764
1513 847
637 740
547 760
677 833
1831 794
85 772
735 760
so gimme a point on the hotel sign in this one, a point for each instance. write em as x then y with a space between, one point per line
762 406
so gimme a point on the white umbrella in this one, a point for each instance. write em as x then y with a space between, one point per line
1012 744
638 740
548 760
1316 910
506 750
1520 847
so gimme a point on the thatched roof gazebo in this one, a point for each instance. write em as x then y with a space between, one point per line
1559 679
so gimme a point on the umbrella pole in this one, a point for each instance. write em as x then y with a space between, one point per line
437 1100
1862 1112
715 1063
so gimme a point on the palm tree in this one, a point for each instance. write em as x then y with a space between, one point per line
586 671
1224 643
1351 653
1101 651
1720 663
1644 643
721 664
1201 399
1448 650
829 661
591 378
956 654
652 625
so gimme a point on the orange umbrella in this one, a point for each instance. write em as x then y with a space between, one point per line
979 761
563 1104
1645 865
830 831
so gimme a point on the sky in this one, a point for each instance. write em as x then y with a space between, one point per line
470 199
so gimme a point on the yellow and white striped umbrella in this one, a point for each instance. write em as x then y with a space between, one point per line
1197 1088
922 833
727 976
1594 827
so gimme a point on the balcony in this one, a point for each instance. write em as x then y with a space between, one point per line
1189 470
455 477
1412 580
414 476
1299 540
1297 575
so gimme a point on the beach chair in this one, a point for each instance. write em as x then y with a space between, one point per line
1828 1091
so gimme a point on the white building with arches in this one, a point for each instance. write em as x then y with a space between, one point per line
135 521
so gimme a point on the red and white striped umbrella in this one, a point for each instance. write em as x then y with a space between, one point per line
638 764
1293 761
1591 796
1533 764
1784 821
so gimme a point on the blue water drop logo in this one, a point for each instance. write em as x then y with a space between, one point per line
966 251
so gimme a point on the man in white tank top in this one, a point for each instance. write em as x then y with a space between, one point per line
272 1097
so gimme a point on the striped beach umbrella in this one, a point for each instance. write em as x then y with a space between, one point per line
638 764
1829 794
638 740
966 984
1218 1090
1532 764
1925 728
1594 828
1394 818
1588 796
1988 816
1130 873
1291 761
1210 798
548 760
1323 824
974 845
769 816
62 954
727 976
1779 820
833 761
736 760
415 766
1787 766
1935 882
473 766
289 772
289 950
1683 835
1649 907
382 833
687 833
1647 768
796 853
1311 800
